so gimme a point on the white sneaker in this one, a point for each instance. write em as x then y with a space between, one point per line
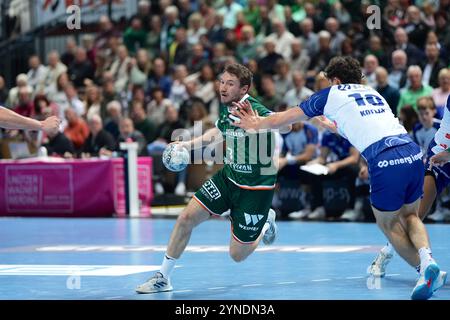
440 281
318 214
424 286
157 283
378 266
271 233
437 216
159 189
180 189
299 214
351 215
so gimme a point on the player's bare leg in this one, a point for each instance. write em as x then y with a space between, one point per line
189 218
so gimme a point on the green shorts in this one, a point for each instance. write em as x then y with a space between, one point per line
247 208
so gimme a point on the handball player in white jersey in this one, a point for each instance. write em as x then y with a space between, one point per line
362 116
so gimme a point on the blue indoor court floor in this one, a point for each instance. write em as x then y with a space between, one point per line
53 258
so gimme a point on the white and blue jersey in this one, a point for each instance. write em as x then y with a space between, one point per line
365 119
440 143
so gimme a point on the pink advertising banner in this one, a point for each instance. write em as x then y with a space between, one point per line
69 188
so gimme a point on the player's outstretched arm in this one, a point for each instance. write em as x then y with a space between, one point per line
212 135
250 120
12 120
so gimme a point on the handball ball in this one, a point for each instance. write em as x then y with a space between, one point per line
175 158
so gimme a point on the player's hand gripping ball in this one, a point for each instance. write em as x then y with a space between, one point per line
175 157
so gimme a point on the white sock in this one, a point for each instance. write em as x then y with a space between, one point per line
167 266
387 249
425 257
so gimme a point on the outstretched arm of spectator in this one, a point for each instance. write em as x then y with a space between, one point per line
12 120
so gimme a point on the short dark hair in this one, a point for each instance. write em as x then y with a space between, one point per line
241 72
346 69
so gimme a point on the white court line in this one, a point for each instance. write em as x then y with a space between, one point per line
252 285
392 274
216 288
178 291
354 277
287 282
320 280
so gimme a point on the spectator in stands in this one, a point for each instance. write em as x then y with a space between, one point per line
187 7
432 65
58 145
370 65
376 49
144 13
264 26
107 31
99 142
121 68
248 46
114 114
129 134
428 125
251 14
282 38
216 33
320 60
169 28
299 93
141 122
282 78
13 95
3 91
341 159
267 63
76 130
299 58
196 28
93 101
108 94
440 94
55 92
179 49
408 118
44 108
309 37
153 40
36 73
69 55
135 36
229 12
197 58
87 43
73 101
397 74
415 56
159 78
388 92
337 36
157 107
415 90
291 23
54 68
315 16
178 91
81 69
25 105
417 30
204 88
270 98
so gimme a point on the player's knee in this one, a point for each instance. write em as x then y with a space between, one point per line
186 220
237 255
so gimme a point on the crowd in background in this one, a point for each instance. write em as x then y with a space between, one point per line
159 74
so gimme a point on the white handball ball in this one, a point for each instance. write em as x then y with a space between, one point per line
175 158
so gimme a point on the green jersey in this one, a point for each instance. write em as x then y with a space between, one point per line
249 157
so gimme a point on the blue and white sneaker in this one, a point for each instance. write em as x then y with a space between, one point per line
440 281
157 283
271 233
426 283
